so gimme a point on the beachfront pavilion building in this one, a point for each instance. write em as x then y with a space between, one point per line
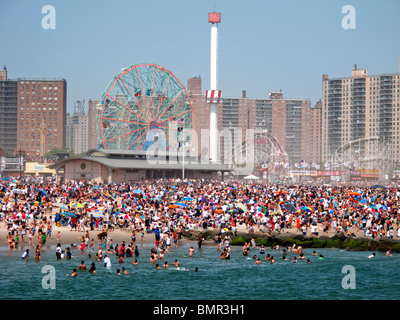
124 166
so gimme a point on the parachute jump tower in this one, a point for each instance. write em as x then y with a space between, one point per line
213 95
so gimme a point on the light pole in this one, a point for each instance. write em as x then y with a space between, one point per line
183 158
20 164
182 145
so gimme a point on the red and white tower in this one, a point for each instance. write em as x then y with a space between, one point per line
213 95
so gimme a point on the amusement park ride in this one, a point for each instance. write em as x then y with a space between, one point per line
143 104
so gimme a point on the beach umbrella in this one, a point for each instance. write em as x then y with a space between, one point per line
64 207
137 191
97 213
124 216
260 203
19 215
305 208
218 211
354 194
188 199
42 191
242 206
18 191
156 199
77 205
251 177
289 207
180 204
68 214
377 186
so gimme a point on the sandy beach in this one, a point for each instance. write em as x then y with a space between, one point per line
69 237
74 237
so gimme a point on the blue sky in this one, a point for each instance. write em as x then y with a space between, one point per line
264 45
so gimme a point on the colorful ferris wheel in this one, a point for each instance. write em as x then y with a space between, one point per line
143 104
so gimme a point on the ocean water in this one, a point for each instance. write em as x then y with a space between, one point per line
236 279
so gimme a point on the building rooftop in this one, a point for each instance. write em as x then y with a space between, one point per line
131 159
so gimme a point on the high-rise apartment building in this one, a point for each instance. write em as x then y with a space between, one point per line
77 129
286 119
8 113
32 114
314 133
359 107
92 123
41 115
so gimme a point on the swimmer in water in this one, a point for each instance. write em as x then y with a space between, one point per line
74 273
321 257
93 268
272 260
371 256
176 263
258 261
191 251
135 262
124 271
25 255
388 253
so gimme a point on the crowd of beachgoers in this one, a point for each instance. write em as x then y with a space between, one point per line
30 212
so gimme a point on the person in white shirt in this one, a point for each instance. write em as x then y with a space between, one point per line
107 262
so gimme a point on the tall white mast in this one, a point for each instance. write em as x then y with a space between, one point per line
214 94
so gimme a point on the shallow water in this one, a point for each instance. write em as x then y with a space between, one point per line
236 279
